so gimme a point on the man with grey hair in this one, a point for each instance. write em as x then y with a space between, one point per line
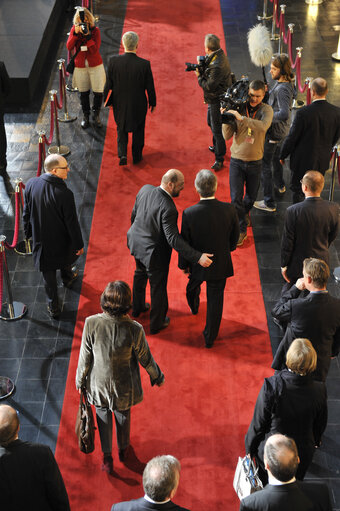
50 218
128 77
209 223
160 482
30 477
284 491
152 236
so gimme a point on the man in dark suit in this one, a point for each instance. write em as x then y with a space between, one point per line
128 77
283 491
209 225
50 218
29 475
315 317
152 236
160 482
314 132
5 86
309 229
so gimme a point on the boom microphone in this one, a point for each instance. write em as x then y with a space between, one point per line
260 47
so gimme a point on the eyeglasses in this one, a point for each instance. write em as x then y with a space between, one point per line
62 167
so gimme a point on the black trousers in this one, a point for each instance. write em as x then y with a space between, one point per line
215 296
137 141
214 120
158 279
104 421
51 287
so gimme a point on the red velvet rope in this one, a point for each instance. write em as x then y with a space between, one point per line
17 218
1 277
309 98
49 141
42 154
61 90
298 75
338 168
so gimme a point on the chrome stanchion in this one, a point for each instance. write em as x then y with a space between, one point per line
63 150
298 103
282 8
9 310
22 247
66 117
336 153
264 16
274 36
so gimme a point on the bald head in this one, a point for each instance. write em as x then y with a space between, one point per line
281 457
54 160
173 182
319 88
9 425
312 183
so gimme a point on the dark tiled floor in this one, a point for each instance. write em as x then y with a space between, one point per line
35 351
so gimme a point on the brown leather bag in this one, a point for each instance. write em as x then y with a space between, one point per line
85 427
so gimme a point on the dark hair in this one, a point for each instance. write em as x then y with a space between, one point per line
282 62
257 85
282 457
212 42
116 298
317 270
160 477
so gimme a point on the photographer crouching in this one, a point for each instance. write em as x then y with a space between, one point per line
214 77
89 72
248 130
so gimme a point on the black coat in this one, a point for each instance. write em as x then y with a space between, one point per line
315 317
211 226
310 227
292 405
314 132
144 505
50 217
30 479
129 76
154 232
297 496
216 77
5 85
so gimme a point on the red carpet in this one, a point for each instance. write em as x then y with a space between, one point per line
202 412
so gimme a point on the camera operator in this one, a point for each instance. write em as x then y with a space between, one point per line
252 123
89 72
215 78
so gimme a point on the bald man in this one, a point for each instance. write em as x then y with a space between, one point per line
50 218
284 491
314 132
152 236
29 475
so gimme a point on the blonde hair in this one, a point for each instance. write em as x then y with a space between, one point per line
301 357
88 16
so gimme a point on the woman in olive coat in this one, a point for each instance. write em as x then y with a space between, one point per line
113 346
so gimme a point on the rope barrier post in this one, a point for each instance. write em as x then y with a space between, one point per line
308 81
297 103
335 154
63 150
10 310
66 117
336 55
22 247
274 36
313 2
281 29
264 16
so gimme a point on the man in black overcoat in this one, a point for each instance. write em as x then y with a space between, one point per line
5 86
160 483
50 218
309 229
284 492
152 236
314 132
209 225
315 317
128 77
30 478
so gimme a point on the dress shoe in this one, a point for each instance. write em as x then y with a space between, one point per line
96 119
217 165
107 465
212 148
165 324
209 344
85 123
54 312
69 283
242 238
123 160
135 314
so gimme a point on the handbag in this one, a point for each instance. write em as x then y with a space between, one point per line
246 480
85 427
71 65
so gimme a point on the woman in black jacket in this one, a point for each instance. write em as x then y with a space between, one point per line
291 403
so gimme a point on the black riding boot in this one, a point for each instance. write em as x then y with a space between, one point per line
97 103
85 105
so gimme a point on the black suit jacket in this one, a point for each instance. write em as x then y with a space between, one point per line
310 227
144 505
315 317
211 226
50 218
297 496
5 85
129 76
314 132
154 232
30 479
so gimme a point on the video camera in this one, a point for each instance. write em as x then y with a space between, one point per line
236 96
84 25
201 65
